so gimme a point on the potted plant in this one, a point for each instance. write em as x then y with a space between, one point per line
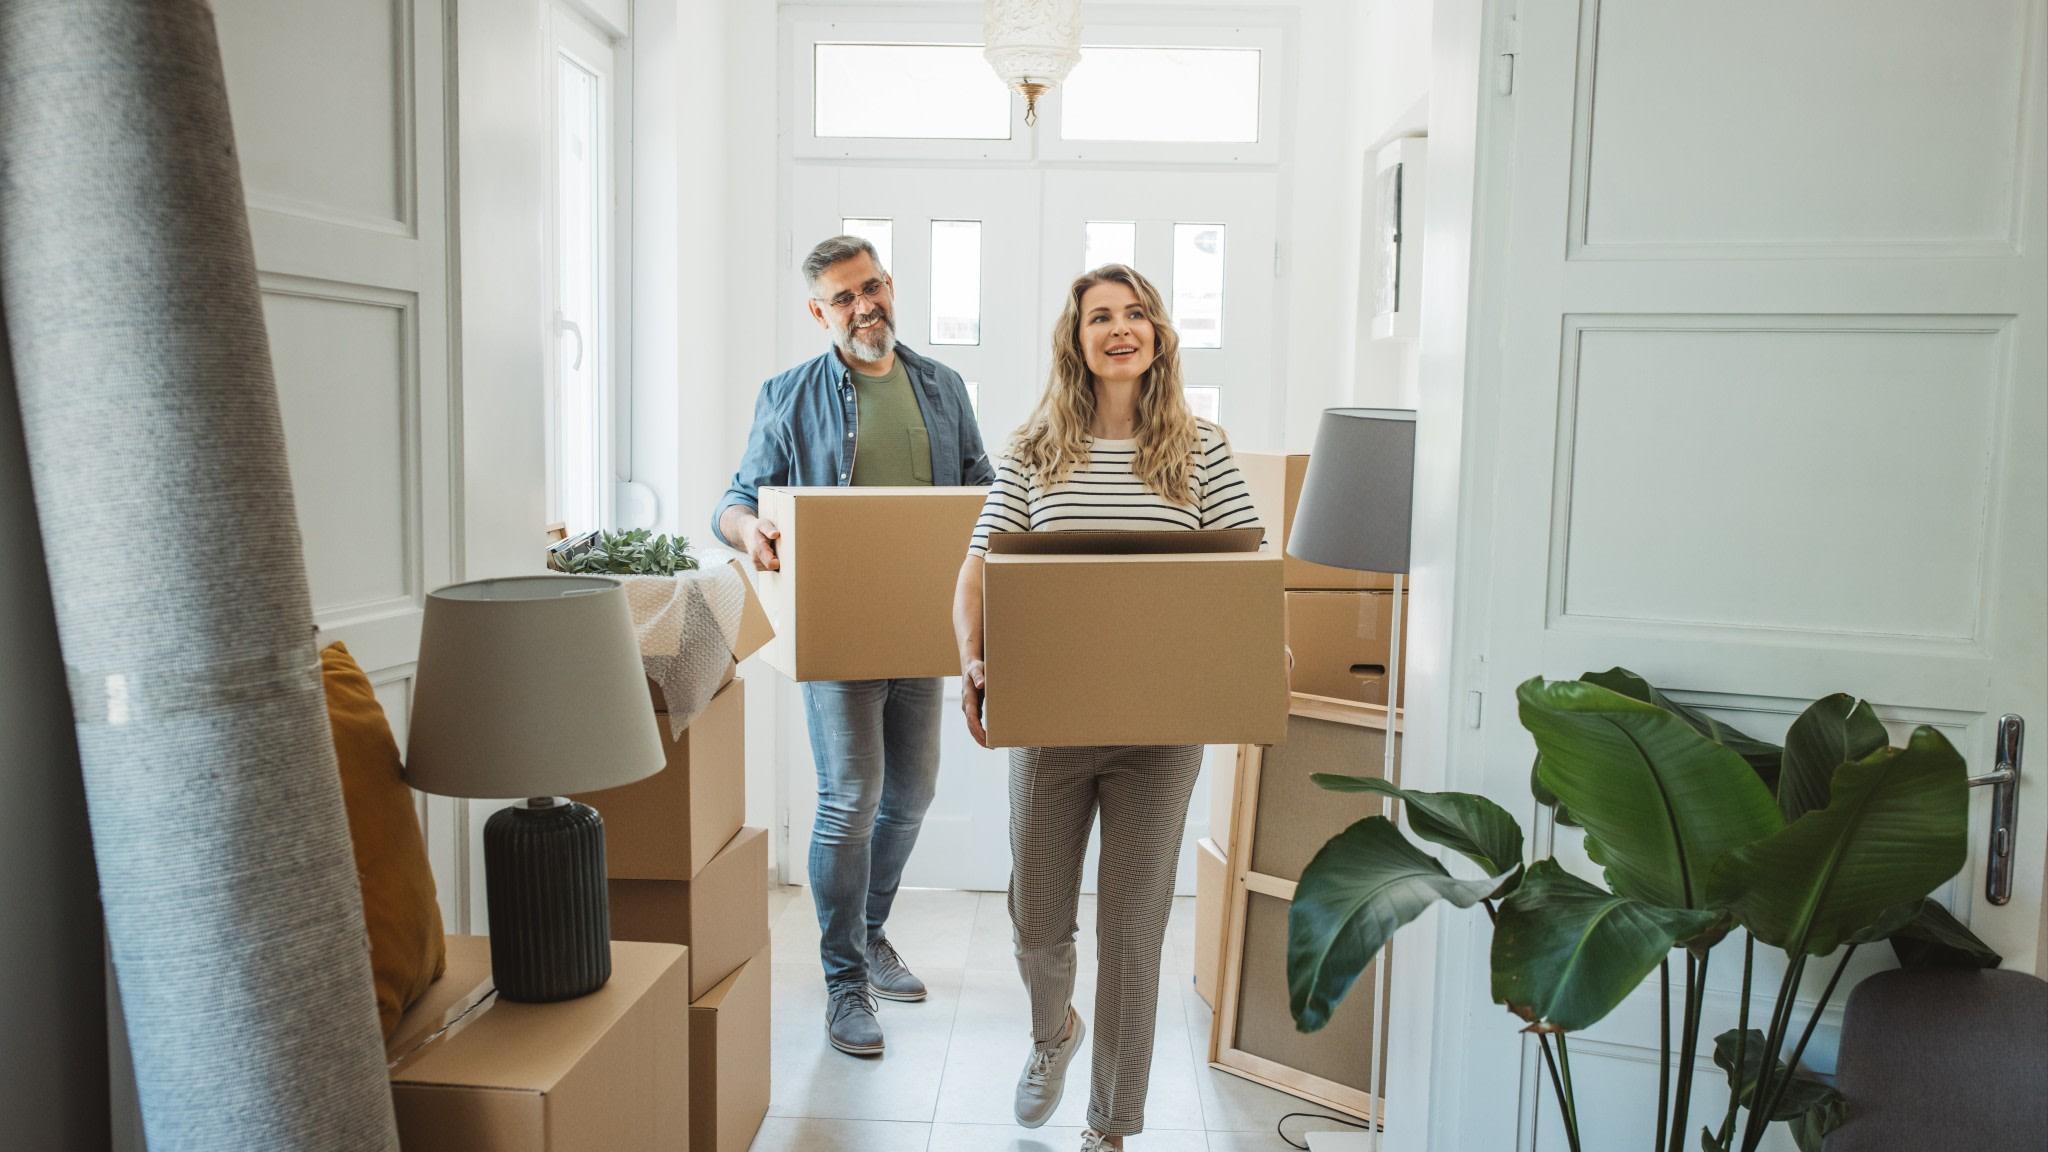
635 552
1831 842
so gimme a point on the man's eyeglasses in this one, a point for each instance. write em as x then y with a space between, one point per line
868 291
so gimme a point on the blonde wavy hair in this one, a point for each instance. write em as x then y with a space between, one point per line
1056 440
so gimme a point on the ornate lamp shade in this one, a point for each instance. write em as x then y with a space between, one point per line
1032 44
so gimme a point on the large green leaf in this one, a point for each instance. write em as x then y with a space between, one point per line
1831 732
1935 939
1811 1108
1362 886
1893 832
1760 755
1565 952
1472 826
1660 803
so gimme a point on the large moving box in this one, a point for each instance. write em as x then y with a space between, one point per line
1275 482
729 1053
865 591
607 1072
1339 641
670 825
1212 890
722 914
1090 648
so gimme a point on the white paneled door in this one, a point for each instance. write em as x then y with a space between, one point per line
1772 390
982 260
338 111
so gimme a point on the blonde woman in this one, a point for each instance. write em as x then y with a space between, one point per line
1112 444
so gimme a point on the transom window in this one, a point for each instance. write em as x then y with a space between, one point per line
1163 95
908 92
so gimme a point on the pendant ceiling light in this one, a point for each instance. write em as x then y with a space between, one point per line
1032 44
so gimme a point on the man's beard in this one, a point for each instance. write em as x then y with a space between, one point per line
871 345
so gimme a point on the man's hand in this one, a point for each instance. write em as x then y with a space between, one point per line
973 683
760 536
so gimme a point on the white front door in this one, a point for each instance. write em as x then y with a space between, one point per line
1772 394
1000 246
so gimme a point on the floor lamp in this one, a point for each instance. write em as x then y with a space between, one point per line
1354 513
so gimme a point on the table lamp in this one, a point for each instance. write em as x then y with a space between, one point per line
532 686
1354 512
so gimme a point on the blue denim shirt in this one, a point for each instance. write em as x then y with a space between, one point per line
806 420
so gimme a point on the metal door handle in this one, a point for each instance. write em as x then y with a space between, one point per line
2004 782
564 324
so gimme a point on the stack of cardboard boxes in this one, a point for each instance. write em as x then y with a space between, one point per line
684 871
1338 626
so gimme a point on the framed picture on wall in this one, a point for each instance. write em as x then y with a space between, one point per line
1395 228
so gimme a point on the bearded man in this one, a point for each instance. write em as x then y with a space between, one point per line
865 412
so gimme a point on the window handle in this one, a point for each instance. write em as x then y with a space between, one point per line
564 324
2004 782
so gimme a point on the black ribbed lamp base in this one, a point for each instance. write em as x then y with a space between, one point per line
544 882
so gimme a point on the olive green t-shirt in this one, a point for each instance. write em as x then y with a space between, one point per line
891 447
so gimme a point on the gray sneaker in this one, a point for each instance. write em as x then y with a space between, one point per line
888 976
850 1022
1045 1074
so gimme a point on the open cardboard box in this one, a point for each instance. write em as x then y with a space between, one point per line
1275 483
756 631
865 591
607 1072
1102 638
669 825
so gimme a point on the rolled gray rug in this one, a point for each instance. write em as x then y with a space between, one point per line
158 462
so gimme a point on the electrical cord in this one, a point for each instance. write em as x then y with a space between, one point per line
1281 1127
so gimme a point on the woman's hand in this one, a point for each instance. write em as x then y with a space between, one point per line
973 683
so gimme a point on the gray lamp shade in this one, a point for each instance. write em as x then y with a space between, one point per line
530 686
1359 491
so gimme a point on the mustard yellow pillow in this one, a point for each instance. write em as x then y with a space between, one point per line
407 952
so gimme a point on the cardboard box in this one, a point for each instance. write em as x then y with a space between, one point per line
729 1051
1212 897
1275 481
670 825
1339 641
866 586
1133 649
754 634
722 914
607 1072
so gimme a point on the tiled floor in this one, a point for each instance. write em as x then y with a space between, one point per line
945 1084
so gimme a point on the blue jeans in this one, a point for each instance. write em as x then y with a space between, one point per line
876 743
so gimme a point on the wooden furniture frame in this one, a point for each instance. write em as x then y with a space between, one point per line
1224 1052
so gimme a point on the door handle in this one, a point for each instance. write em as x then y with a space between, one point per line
2004 782
564 324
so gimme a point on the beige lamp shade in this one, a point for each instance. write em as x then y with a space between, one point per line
530 686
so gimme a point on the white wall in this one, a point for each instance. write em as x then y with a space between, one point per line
1393 49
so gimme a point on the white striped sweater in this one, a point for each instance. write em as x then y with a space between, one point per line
1103 493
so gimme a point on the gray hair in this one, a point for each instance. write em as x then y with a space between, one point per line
834 251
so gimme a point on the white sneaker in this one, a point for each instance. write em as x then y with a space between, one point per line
1093 1141
1045 1074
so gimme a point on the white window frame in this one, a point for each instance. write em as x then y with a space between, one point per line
606 21
805 35
1269 40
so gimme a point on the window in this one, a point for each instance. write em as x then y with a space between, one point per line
880 233
581 377
1109 242
1198 284
908 91
956 282
974 398
1165 95
1206 401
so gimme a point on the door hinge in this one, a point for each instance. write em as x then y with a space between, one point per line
1504 60
1279 268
